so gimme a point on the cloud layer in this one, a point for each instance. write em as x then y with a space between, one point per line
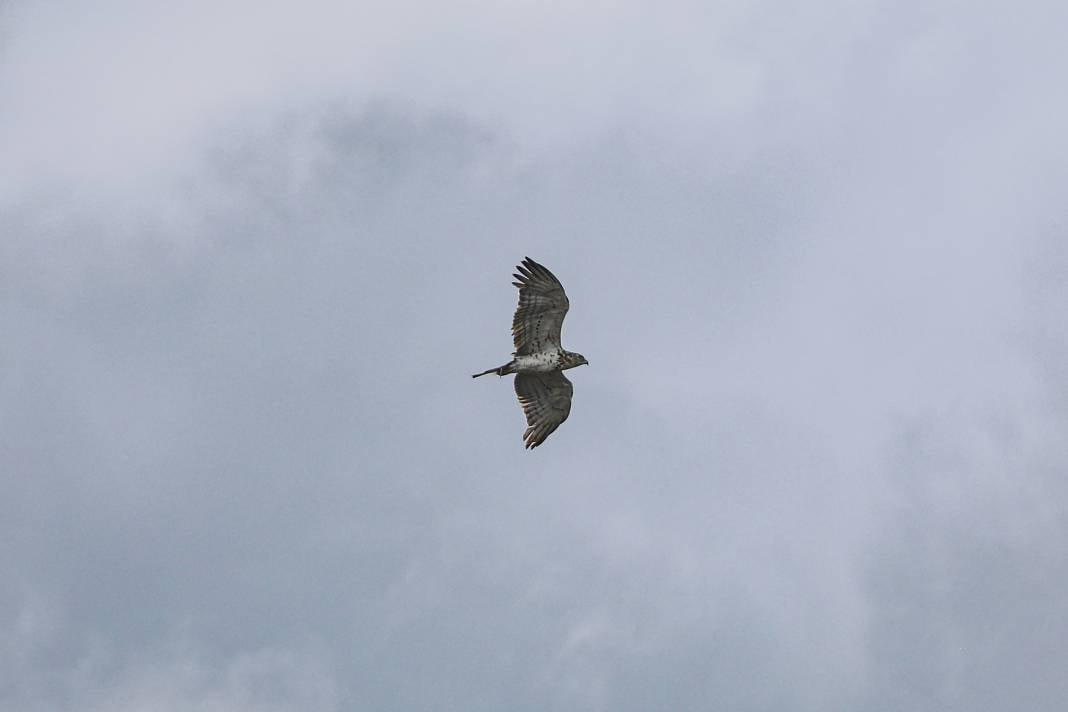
251 255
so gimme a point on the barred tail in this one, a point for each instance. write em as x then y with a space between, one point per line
500 370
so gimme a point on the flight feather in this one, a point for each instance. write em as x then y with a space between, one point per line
541 311
546 402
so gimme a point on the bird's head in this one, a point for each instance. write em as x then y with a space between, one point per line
577 360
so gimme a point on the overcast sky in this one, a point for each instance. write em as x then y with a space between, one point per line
250 254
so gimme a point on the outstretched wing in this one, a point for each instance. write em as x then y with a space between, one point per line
546 401
542 307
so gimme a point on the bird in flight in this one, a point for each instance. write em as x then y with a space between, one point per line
544 393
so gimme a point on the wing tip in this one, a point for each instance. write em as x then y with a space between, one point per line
535 270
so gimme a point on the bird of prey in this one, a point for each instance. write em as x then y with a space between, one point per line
544 393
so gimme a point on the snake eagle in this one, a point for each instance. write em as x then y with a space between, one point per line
544 393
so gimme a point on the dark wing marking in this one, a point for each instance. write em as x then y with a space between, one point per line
542 307
546 401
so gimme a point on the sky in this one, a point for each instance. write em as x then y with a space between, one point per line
251 252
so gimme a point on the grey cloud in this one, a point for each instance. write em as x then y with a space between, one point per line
814 465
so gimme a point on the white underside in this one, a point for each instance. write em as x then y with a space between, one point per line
540 362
